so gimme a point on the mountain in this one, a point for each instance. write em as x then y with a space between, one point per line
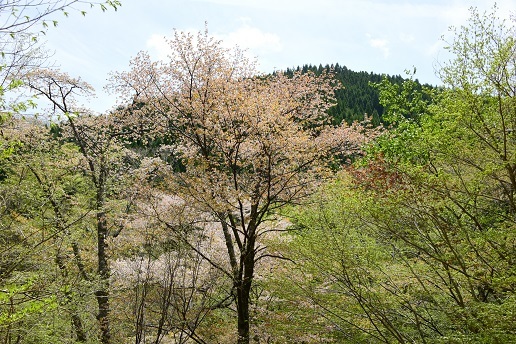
358 96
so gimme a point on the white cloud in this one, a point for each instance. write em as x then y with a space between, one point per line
407 38
158 46
305 6
434 49
245 37
252 38
380 44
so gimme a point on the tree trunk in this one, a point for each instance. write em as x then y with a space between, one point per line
244 289
76 319
243 292
102 293
242 269
79 329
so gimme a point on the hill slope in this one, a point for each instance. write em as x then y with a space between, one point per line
357 97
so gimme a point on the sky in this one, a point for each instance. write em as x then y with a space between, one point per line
380 36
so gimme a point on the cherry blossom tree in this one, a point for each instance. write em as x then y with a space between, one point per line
248 144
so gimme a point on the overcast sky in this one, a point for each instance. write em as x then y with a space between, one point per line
382 36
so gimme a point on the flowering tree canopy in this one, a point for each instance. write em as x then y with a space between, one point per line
248 143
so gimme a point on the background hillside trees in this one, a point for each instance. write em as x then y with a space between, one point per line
358 98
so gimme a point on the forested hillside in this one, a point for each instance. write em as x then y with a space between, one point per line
357 97
216 204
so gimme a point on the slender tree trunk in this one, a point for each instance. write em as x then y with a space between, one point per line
79 329
102 292
243 292
244 289
76 319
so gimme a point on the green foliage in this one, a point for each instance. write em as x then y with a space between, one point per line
408 108
359 96
406 100
22 308
15 295
44 225
413 244
419 247
331 247
403 265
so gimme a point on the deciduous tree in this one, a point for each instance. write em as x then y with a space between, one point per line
436 196
98 141
249 144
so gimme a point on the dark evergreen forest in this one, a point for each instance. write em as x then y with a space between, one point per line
358 96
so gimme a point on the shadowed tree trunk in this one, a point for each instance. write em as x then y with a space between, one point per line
102 292
243 289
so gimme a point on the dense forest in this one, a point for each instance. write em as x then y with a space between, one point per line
216 204
357 97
